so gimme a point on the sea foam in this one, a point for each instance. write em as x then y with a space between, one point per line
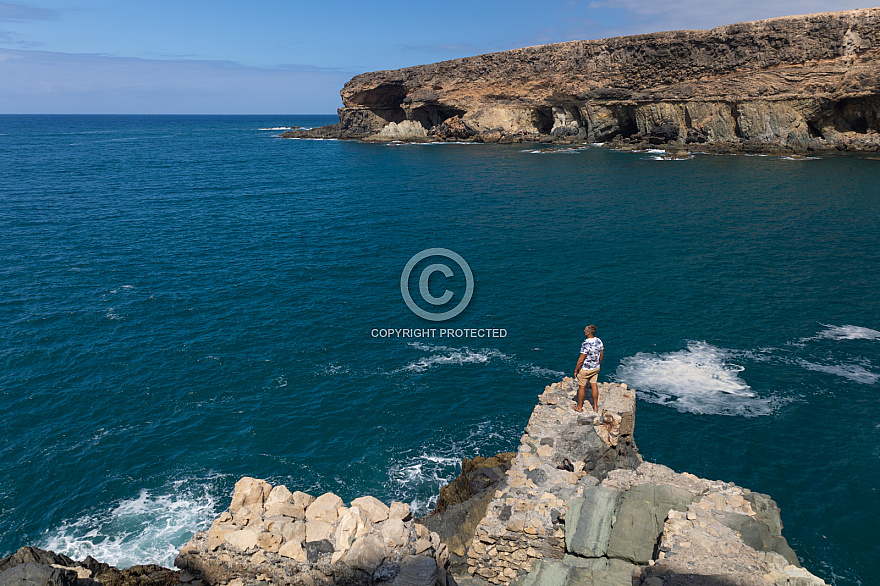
847 333
149 528
700 379
445 356
853 372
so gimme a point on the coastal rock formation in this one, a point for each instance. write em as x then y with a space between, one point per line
795 83
561 459
31 566
271 535
579 506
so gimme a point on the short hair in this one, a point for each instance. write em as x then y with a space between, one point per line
592 329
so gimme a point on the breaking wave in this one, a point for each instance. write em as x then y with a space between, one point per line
701 379
149 528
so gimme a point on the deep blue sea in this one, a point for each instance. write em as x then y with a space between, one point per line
188 300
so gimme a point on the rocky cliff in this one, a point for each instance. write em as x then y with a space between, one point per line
795 83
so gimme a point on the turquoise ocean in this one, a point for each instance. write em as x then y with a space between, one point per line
188 300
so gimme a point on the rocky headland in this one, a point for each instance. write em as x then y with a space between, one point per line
575 505
792 84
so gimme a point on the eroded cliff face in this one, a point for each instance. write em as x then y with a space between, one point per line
799 82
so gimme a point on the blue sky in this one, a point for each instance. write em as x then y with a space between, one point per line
274 57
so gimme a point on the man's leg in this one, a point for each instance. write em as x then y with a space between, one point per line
581 391
595 388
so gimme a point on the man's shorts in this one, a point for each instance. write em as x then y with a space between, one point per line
585 376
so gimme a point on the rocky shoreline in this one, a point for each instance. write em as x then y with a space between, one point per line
798 84
574 505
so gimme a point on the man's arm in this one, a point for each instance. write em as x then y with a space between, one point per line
580 362
601 355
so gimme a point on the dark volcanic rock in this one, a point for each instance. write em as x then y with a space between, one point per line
31 565
28 554
33 574
452 129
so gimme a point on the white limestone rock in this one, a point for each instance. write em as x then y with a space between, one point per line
318 530
295 531
395 533
242 539
376 510
400 510
301 499
249 491
366 553
269 541
294 550
218 532
325 508
347 531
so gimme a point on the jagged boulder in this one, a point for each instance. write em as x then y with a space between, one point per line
452 129
288 537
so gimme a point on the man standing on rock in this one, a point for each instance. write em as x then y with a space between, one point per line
587 369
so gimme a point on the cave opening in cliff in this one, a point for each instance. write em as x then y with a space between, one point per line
858 115
543 120
626 121
429 116
385 101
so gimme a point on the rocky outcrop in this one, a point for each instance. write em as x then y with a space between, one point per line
561 459
30 566
795 83
580 507
269 534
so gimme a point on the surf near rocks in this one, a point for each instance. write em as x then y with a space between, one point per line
269 534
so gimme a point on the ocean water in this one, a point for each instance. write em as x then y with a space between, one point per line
188 300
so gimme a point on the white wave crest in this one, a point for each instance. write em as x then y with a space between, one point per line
701 379
282 128
445 356
853 372
148 529
667 157
846 333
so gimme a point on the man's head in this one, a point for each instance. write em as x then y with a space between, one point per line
590 330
